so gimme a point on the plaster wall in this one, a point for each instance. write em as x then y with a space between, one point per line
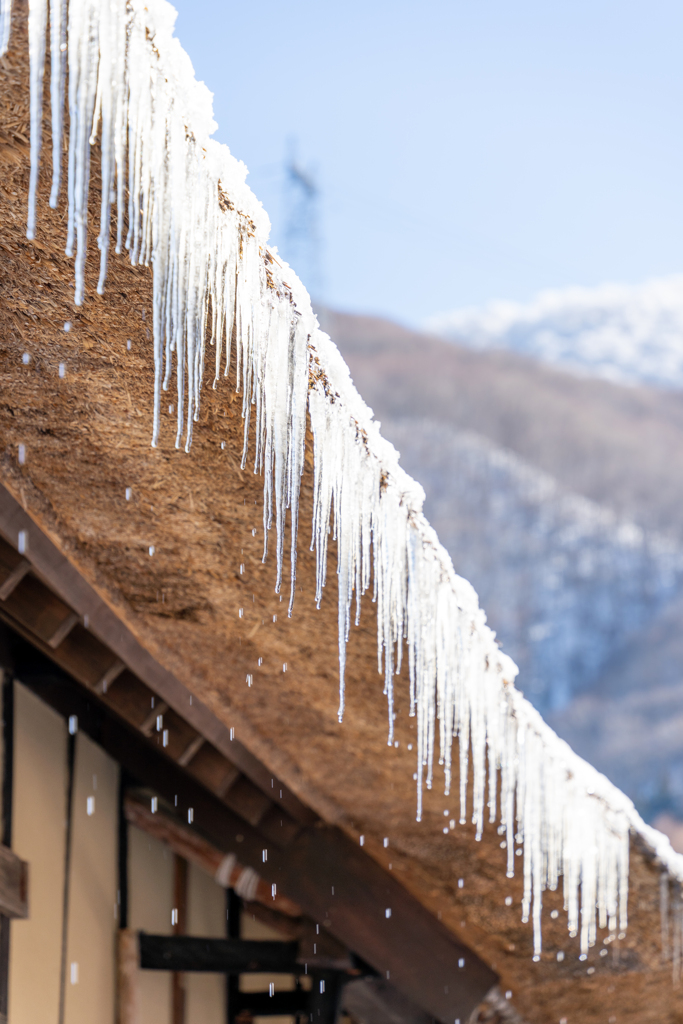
39 819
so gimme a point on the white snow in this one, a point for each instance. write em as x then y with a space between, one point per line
191 217
626 333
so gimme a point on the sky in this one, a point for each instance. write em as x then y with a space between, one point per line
463 150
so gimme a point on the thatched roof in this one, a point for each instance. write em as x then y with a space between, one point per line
178 562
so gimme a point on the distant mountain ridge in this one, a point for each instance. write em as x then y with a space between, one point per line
625 333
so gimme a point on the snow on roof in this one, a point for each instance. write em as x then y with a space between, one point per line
190 215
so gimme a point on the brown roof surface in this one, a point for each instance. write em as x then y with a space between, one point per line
87 438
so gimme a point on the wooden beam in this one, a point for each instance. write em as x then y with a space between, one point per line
14 578
186 843
280 1004
112 673
190 750
222 956
127 969
63 629
147 727
325 996
179 928
13 884
377 1000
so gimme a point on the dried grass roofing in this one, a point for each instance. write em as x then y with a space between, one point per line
86 437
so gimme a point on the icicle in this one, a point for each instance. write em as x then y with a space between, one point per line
37 27
57 76
182 207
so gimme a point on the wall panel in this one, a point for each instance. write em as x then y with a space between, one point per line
206 904
92 922
150 901
39 808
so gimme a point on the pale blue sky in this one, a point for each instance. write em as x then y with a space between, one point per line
468 150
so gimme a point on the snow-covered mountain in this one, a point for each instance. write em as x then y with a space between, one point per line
626 333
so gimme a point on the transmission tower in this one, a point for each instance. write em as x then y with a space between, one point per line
302 229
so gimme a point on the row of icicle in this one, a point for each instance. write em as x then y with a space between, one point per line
182 206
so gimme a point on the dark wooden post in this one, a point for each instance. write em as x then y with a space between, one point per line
7 780
179 928
233 906
70 763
